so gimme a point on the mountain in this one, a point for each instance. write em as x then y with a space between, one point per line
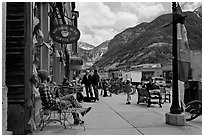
99 51
90 54
84 51
149 42
85 46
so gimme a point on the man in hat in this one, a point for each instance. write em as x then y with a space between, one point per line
48 99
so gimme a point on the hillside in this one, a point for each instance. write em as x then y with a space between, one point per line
90 54
148 42
99 51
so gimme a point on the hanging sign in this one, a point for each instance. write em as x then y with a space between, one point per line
75 63
64 34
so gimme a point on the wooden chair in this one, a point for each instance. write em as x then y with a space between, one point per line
147 97
166 95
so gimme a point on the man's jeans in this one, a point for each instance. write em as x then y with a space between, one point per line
88 90
69 99
95 87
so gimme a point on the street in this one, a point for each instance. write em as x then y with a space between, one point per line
111 116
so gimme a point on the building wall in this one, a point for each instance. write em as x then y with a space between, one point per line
45 27
4 89
196 65
126 75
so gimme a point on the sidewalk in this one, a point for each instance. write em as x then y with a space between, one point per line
111 116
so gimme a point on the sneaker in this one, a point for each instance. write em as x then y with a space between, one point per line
78 122
128 103
86 111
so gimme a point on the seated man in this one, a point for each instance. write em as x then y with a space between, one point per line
153 88
67 100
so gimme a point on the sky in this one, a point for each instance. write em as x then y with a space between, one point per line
101 21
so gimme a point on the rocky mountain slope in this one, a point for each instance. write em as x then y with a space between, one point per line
91 54
148 43
99 51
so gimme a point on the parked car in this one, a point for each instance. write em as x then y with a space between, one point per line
159 81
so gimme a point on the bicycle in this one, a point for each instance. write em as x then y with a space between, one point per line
193 109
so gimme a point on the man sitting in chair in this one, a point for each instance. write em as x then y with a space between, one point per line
151 85
67 100
153 88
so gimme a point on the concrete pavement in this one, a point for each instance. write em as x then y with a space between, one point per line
111 116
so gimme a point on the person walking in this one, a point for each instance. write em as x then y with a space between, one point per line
87 82
95 82
128 91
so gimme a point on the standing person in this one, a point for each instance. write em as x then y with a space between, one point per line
87 82
128 91
95 82
100 86
104 87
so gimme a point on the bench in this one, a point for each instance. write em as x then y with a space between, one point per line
144 96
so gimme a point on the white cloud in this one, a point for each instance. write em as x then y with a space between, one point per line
98 23
94 14
104 33
98 36
125 19
145 9
88 38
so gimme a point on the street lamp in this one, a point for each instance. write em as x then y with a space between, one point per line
175 108
175 117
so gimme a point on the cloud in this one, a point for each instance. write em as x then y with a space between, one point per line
97 22
144 9
98 36
94 14
104 33
124 20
